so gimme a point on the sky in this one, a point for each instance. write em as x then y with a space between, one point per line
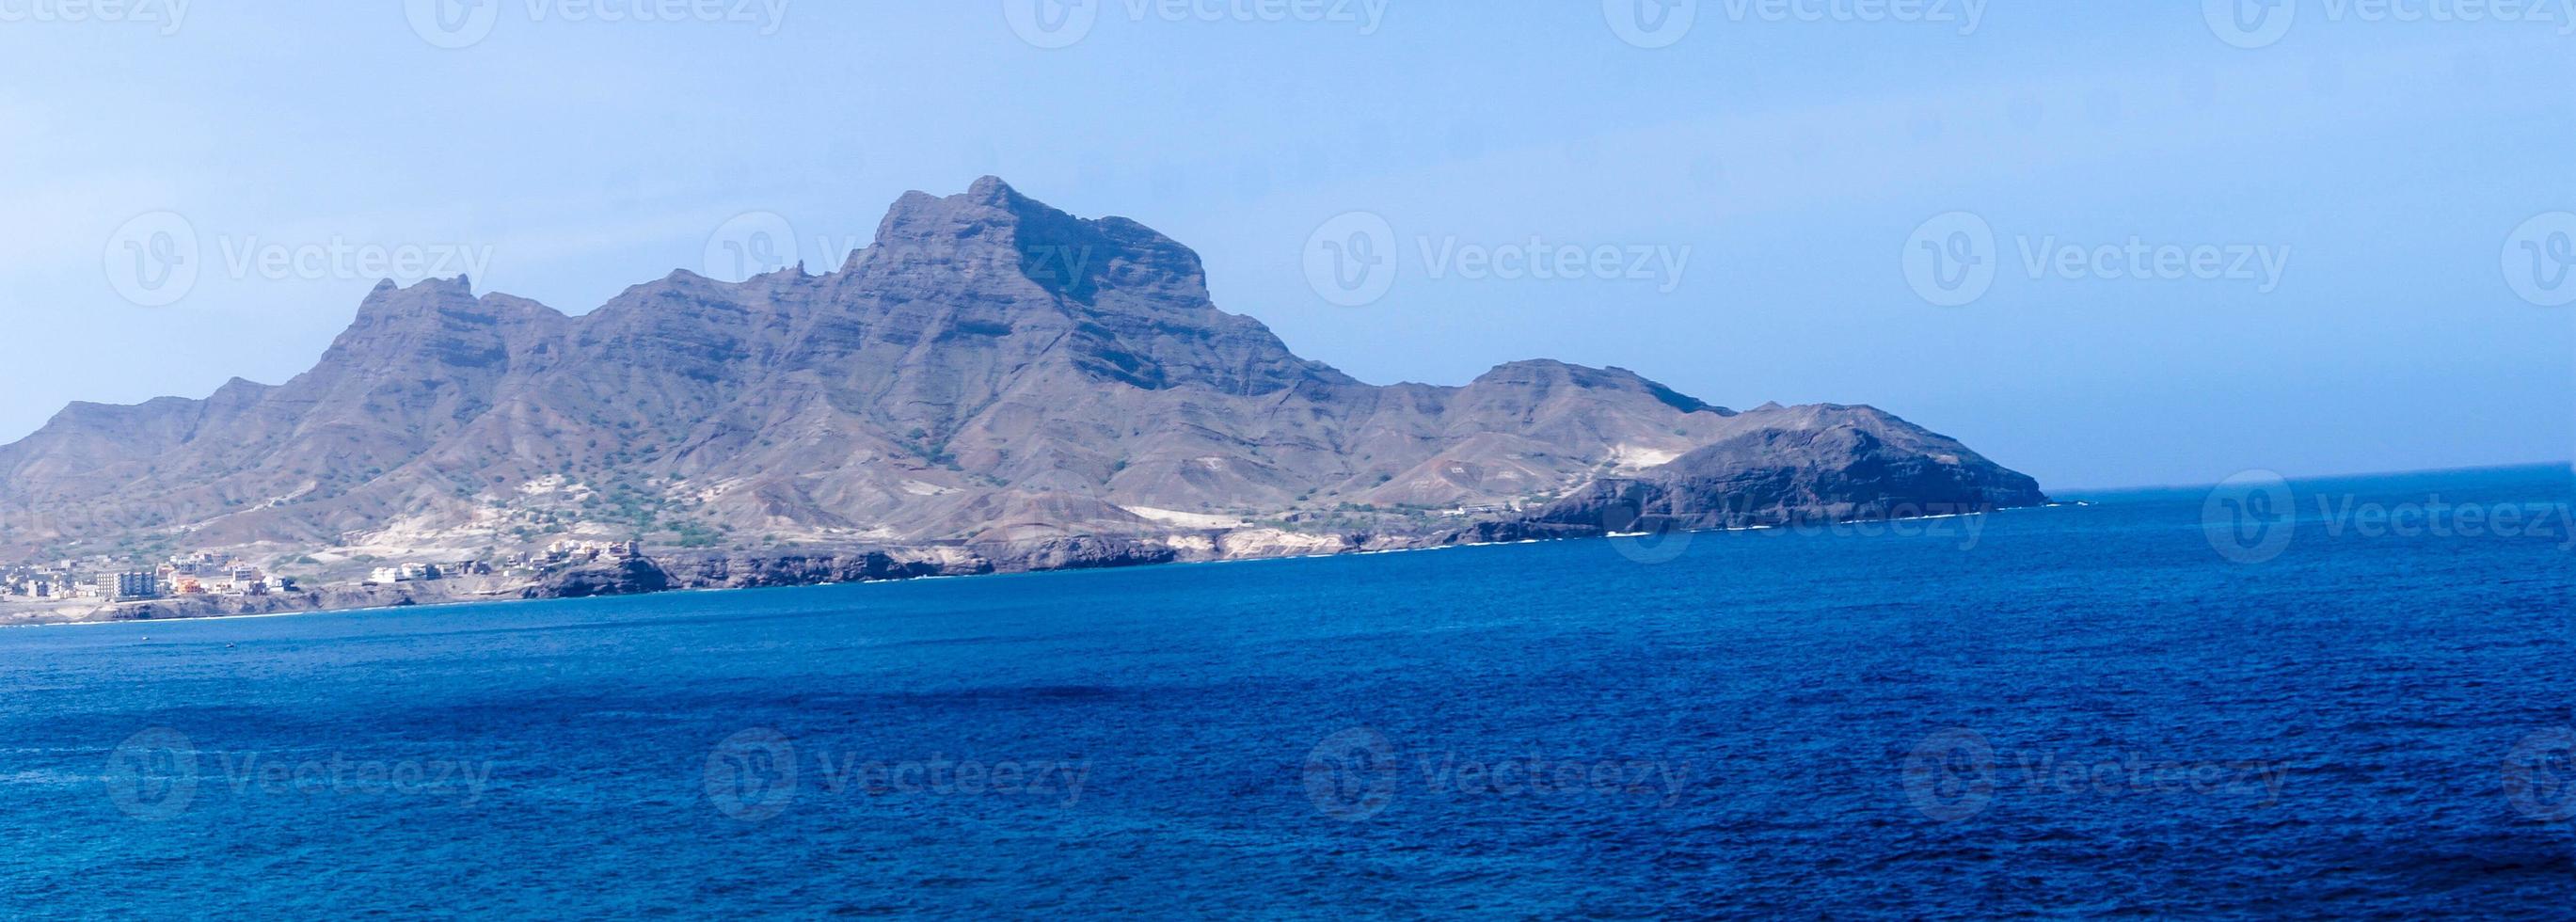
2105 244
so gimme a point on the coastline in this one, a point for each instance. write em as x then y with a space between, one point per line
648 574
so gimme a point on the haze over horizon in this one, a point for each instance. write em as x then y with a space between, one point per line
2370 328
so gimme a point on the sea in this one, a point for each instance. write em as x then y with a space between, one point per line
2270 698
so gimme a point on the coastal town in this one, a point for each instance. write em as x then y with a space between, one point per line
117 590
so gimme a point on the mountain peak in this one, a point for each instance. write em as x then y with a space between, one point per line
992 189
1547 374
390 302
986 194
461 284
989 207
1114 297
991 233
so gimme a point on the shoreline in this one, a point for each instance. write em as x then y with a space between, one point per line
1137 553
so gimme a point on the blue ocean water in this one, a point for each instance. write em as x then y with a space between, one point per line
2094 710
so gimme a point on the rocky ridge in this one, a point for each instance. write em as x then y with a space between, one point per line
992 384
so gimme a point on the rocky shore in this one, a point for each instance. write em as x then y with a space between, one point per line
1631 510
663 572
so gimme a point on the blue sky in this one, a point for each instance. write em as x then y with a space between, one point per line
2311 240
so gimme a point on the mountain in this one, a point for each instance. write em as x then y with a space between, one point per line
988 373
1785 466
